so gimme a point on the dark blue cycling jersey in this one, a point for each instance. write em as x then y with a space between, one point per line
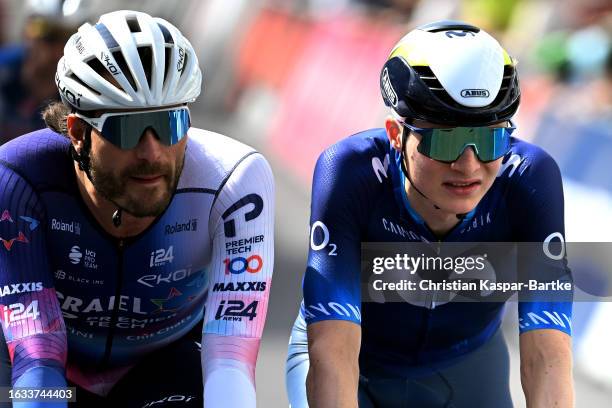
358 196
70 291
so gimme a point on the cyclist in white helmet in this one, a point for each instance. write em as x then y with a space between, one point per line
137 250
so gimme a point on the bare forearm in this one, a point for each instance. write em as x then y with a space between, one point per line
547 382
332 384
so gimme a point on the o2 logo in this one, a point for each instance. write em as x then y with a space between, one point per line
318 225
238 265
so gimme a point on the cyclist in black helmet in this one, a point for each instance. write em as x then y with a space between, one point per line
446 168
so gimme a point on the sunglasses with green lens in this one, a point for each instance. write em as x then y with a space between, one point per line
447 144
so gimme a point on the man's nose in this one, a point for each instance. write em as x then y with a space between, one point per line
149 147
468 162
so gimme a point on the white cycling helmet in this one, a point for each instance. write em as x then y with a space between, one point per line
452 73
150 61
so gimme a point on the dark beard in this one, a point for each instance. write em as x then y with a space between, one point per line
114 187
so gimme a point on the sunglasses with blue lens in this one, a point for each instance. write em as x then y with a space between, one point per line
124 129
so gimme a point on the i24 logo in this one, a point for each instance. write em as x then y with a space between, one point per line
18 311
162 257
235 310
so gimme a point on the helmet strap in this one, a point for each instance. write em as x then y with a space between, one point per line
82 158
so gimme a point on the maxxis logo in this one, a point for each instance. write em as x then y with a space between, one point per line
75 255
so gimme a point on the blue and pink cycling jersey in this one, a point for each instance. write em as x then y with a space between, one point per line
77 303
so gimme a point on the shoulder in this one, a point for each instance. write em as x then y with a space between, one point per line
41 158
526 160
362 157
360 147
211 157
532 177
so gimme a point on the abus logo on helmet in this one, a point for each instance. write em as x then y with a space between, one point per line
386 83
474 93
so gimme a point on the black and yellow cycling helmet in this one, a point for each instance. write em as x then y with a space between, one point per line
450 73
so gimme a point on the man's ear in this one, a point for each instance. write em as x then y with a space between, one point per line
394 132
76 131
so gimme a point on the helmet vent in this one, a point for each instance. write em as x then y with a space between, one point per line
77 79
133 24
427 75
508 75
167 59
429 78
99 68
146 60
118 55
167 36
505 85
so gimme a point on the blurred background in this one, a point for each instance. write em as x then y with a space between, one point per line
292 77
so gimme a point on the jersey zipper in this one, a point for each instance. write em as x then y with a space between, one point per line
427 317
116 302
